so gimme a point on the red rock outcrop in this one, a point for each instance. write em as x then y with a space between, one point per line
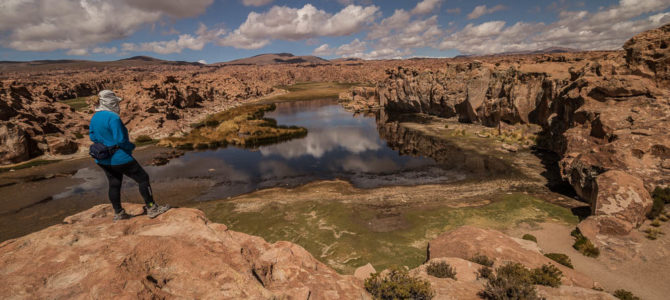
600 111
648 54
180 254
466 242
467 284
177 255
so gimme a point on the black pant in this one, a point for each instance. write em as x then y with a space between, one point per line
115 179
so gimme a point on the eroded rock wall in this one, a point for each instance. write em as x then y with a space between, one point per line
601 111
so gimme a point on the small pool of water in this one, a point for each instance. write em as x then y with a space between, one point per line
339 145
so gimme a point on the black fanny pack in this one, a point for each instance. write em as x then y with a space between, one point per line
100 151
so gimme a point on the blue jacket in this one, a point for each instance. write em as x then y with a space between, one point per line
106 127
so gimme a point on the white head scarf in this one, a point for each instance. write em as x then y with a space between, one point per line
108 101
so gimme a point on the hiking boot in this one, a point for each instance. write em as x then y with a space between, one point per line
156 210
121 216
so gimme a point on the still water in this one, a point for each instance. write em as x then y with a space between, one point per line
339 145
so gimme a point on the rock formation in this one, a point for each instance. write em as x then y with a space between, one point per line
181 254
161 98
177 255
467 242
600 111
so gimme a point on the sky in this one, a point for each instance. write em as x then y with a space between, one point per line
221 30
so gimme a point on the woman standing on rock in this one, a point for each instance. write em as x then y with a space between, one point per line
113 153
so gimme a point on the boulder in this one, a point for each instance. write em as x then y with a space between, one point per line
572 293
59 145
467 241
648 54
620 195
467 285
365 271
179 254
15 144
592 226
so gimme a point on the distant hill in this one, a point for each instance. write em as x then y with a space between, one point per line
549 50
65 64
275 58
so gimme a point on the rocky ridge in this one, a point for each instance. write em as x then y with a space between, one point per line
181 254
604 113
38 116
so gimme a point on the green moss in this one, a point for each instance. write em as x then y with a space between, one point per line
398 284
340 234
78 104
561 259
529 237
30 164
242 126
144 140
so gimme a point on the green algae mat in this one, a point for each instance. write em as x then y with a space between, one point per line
348 235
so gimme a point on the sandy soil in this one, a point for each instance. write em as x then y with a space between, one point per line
645 274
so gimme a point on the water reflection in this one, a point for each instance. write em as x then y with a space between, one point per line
338 145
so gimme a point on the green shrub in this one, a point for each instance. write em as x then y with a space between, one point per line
661 196
529 237
652 233
656 208
398 284
662 193
482 260
655 223
512 281
548 275
78 135
484 272
583 245
625 295
561 259
441 270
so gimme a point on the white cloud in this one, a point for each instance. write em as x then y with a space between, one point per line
606 29
293 24
323 50
238 40
355 48
46 25
483 10
173 8
396 35
256 2
202 61
104 50
426 6
185 41
78 52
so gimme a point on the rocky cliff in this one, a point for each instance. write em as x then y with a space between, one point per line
605 113
181 254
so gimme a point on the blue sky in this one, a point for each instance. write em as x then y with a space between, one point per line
221 30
